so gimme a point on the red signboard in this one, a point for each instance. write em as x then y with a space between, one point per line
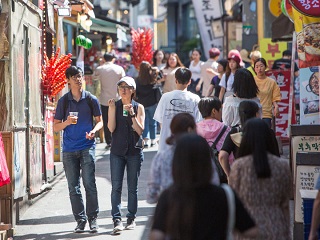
285 106
308 7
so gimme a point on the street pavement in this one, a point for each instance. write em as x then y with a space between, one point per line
50 216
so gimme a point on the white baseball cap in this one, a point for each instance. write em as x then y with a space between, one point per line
128 80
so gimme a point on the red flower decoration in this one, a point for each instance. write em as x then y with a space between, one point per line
141 46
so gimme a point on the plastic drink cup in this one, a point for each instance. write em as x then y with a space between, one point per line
74 116
125 113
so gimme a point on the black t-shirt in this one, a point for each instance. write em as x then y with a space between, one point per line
215 82
228 144
284 64
145 94
211 214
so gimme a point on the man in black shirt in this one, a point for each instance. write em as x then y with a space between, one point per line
284 63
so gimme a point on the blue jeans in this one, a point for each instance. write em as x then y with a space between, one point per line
150 125
81 161
117 166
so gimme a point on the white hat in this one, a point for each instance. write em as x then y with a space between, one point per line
128 80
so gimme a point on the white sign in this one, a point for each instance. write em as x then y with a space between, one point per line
145 21
207 12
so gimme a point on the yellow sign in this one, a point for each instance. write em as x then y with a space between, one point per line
275 7
271 51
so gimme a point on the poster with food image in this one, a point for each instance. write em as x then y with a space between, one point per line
308 39
309 95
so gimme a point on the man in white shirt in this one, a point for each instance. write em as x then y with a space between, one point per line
108 74
206 75
174 102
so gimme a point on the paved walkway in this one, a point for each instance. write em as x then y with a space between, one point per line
50 216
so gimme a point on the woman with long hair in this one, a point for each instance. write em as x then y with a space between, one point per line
158 59
193 208
169 80
247 109
234 61
244 88
262 181
160 171
195 68
126 123
269 91
146 95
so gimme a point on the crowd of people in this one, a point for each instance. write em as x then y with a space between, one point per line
219 99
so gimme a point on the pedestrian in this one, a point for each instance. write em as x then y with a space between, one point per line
315 222
284 63
269 92
214 84
126 123
245 57
174 102
212 129
192 200
108 74
253 57
247 109
168 80
262 181
146 95
160 177
211 125
79 147
244 88
158 59
195 68
209 69
226 82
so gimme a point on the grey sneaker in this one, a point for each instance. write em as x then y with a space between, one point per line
131 224
81 224
93 225
117 225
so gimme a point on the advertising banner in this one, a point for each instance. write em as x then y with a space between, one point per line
285 106
308 39
208 14
309 96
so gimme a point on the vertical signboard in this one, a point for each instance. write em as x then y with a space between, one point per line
208 14
282 78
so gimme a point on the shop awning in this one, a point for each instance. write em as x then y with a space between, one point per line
98 25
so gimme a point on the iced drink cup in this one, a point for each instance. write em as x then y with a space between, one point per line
74 118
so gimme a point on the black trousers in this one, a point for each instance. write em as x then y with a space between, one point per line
107 133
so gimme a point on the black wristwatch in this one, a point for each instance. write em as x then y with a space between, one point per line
133 115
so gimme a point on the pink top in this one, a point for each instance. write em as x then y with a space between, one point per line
210 129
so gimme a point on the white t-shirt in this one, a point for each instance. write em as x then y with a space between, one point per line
230 110
170 104
195 70
229 83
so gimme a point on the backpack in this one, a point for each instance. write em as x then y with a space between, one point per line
65 102
215 153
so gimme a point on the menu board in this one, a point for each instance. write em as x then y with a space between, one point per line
306 179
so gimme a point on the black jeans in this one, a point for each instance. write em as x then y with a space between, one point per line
107 133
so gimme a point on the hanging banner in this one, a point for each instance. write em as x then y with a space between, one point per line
208 14
309 96
308 39
282 77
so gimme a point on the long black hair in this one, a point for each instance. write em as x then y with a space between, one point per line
258 140
191 169
247 109
244 85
